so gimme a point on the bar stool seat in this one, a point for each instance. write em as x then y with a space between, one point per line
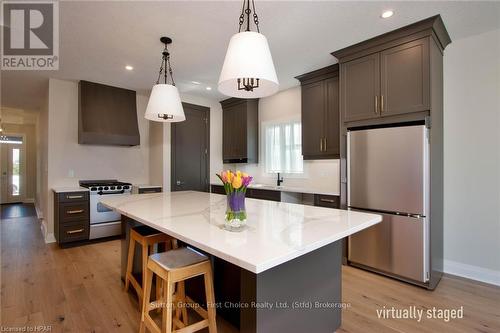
174 267
147 237
178 258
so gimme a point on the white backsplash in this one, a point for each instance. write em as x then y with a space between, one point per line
320 175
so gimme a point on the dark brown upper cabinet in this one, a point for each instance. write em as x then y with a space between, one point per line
320 113
404 78
360 87
390 75
240 130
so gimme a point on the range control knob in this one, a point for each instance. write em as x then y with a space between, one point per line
100 188
106 188
111 187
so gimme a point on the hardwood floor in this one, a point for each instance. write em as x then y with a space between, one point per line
79 290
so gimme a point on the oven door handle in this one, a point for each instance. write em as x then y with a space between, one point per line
115 192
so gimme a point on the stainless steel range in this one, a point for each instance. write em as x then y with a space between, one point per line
103 221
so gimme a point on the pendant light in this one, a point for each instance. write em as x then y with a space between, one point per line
248 70
164 102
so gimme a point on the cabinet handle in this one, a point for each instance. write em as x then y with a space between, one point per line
76 211
376 104
325 146
321 144
381 104
74 197
74 231
150 191
327 200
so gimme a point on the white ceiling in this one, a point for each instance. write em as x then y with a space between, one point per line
97 39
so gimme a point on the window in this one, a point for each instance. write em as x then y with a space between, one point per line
283 148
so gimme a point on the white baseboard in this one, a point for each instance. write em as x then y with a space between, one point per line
472 272
39 213
48 237
29 200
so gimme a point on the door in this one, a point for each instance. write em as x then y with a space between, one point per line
234 141
332 121
360 87
396 246
12 168
405 85
313 119
190 145
386 169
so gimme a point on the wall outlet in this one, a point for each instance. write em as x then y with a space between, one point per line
71 173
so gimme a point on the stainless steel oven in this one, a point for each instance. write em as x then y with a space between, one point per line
103 221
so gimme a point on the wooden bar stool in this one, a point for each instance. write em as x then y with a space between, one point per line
173 267
147 237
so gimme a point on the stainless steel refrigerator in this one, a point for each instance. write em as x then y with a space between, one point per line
388 173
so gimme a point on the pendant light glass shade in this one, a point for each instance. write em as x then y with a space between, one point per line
248 58
165 104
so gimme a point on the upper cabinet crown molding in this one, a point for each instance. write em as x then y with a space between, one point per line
432 26
319 74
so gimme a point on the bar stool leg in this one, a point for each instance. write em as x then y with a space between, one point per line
209 290
145 254
130 262
182 301
168 303
148 281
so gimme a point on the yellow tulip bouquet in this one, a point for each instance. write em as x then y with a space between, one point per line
235 185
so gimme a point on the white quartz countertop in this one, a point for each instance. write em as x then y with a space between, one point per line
285 188
276 232
70 189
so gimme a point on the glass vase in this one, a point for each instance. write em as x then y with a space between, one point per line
236 214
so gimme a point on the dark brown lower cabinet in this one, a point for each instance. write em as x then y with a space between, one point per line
71 216
329 201
251 193
218 189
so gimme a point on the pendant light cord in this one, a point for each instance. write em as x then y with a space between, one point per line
165 65
247 12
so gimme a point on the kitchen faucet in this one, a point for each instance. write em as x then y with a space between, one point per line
280 180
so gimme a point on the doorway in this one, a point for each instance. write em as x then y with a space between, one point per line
190 150
12 162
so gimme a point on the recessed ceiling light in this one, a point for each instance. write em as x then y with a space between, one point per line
208 88
387 14
129 68
195 82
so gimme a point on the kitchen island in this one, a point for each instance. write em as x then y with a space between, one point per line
289 254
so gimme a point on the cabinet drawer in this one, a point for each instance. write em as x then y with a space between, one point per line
146 190
264 194
74 231
73 196
73 211
330 201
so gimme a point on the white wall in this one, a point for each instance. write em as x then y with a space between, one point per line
320 175
42 190
157 168
472 157
69 161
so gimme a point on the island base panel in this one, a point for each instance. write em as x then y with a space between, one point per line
307 281
302 295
